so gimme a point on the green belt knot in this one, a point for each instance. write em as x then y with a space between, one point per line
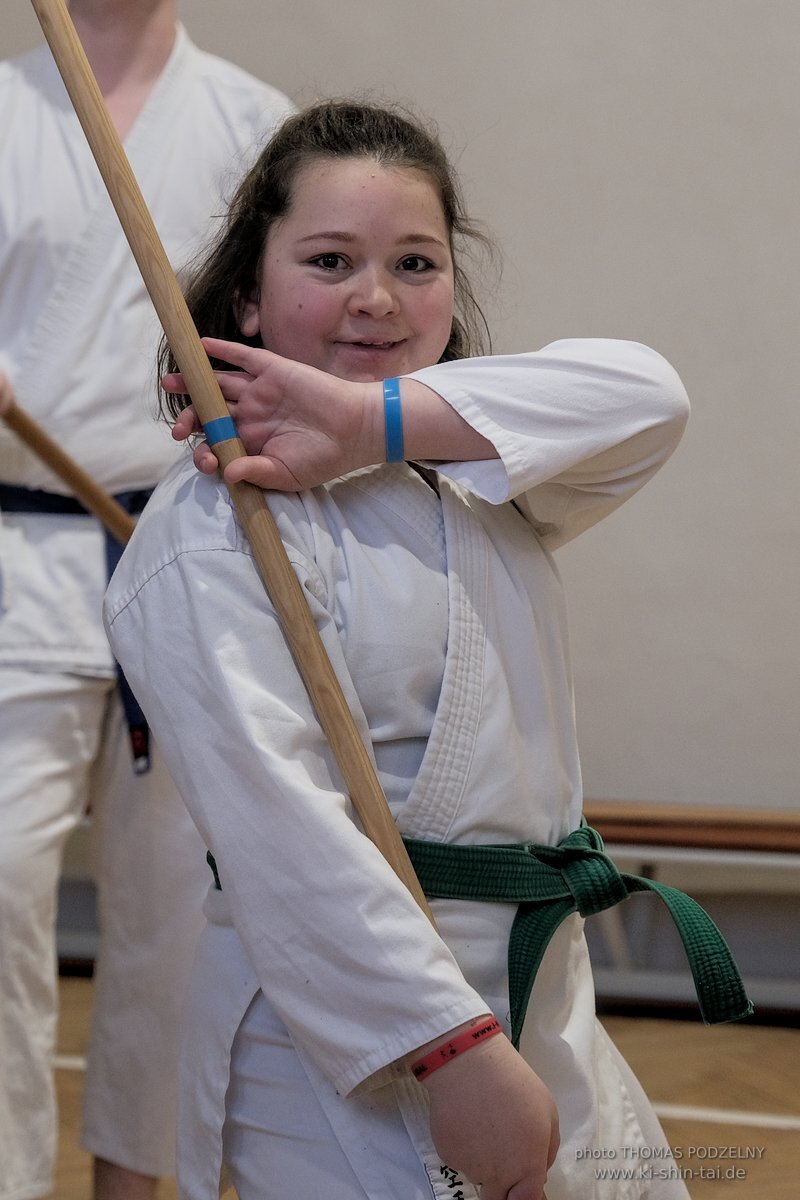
548 883
589 874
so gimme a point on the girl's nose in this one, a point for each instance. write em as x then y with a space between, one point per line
373 293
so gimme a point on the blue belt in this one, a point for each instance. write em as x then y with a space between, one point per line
31 500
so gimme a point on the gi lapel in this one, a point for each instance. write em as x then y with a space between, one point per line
434 799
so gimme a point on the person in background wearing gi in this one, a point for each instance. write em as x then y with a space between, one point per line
337 1044
77 339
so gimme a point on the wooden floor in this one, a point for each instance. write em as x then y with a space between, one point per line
732 1092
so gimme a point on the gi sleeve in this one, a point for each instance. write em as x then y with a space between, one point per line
340 948
579 427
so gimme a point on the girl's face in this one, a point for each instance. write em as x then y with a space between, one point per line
357 278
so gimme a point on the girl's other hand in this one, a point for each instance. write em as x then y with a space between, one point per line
493 1119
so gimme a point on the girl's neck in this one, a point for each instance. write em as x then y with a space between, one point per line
127 43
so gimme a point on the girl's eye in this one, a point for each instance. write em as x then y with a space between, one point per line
416 263
329 261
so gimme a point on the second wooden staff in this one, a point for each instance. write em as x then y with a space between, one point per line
93 497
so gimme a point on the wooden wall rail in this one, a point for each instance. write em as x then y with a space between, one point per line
649 824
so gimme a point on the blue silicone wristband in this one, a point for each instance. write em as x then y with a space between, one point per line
393 417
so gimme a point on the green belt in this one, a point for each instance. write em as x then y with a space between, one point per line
550 882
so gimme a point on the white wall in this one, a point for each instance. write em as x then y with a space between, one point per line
638 162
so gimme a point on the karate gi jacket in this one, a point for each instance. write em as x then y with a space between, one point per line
444 619
78 334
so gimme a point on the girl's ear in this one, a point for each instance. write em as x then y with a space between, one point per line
246 311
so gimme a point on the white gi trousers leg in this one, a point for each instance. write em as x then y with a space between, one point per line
63 744
50 737
152 880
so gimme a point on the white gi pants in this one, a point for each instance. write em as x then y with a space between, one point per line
252 1104
253 1110
278 1140
64 745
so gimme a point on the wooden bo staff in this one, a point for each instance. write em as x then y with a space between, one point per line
273 564
90 494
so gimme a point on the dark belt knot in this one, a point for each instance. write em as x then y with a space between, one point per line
591 877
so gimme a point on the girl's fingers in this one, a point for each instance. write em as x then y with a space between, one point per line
186 423
232 384
251 358
173 382
204 459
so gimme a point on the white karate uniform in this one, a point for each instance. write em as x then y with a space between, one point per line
444 620
78 339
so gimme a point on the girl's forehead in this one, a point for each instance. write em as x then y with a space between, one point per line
364 181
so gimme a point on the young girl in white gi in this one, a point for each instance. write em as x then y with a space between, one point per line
319 982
